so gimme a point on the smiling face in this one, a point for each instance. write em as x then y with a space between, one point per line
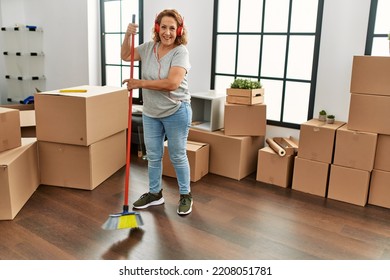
168 29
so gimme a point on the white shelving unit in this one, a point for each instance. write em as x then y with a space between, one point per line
208 110
24 61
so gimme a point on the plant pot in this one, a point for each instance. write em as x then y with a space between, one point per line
322 118
329 120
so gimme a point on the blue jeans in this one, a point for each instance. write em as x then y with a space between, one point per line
175 128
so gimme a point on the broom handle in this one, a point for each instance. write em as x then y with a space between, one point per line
129 120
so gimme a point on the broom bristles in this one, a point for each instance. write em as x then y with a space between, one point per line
123 221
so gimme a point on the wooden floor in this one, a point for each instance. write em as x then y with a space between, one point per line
230 220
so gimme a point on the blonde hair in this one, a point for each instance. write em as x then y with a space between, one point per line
180 40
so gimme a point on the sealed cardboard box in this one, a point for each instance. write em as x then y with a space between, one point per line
355 149
274 169
245 96
310 176
370 75
19 177
10 135
316 140
379 193
81 167
81 118
230 156
349 184
369 113
198 157
382 154
27 123
245 120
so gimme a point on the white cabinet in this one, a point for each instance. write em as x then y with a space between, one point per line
24 61
208 110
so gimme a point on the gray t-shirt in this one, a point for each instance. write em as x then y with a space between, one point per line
158 104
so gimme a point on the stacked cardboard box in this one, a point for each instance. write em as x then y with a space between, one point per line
19 174
81 135
351 169
315 154
369 111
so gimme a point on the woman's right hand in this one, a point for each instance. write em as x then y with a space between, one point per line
132 29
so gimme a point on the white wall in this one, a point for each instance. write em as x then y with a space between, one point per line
72 50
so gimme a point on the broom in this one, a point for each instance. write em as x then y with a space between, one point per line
126 219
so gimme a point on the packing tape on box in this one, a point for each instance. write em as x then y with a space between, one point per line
274 146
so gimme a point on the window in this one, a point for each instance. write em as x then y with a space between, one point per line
276 42
115 16
378 29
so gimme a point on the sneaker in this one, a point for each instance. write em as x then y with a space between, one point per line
149 199
185 204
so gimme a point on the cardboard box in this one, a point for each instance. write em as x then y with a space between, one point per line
274 169
379 193
19 177
382 154
81 118
349 184
370 75
245 120
355 149
10 136
81 167
316 140
27 123
369 113
245 96
198 157
230 156
310 176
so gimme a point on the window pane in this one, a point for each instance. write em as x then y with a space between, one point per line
222 83
273 98
113 44
382 22
111 19
296 100
300 57
274 52
129 7
251 15
226 53
248 55
227 16
276 17
380 46
113 76
304 16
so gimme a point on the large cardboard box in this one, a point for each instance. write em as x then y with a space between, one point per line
230 156
81 118
10 135
198 157
27 118
19 177
316 140
81 167
274 169
310 176
349 184
355 149
245 120
369 113
382 154
370 75
379 193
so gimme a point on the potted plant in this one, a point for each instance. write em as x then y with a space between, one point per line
245 91
330 118
322 115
